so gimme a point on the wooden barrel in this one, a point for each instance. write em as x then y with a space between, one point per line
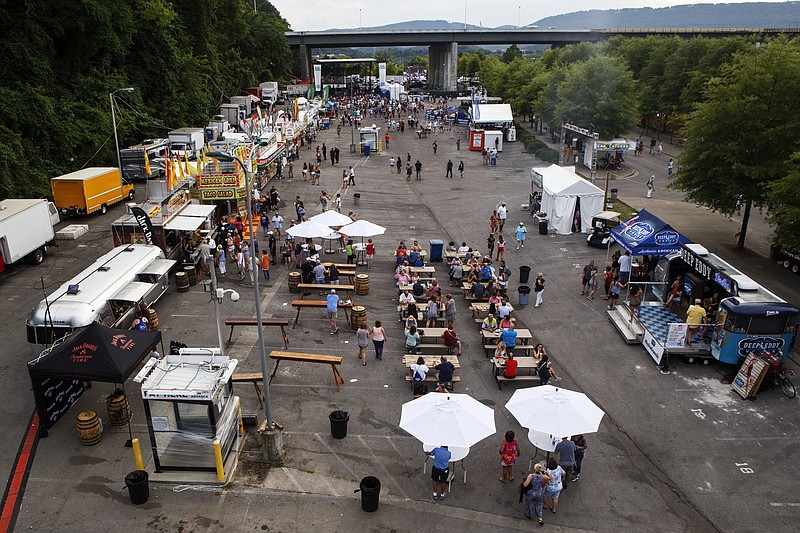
294 281
191 272
362 284
119 411
90 429
182 281
152 318
358 316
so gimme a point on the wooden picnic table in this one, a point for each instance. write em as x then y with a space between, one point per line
523 335
482 308
247 321
321 304
340 266
324 287
523 363
423 270
332 360
432 333
430 360
449 254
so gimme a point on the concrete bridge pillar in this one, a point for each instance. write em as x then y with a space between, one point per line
443 67
305 62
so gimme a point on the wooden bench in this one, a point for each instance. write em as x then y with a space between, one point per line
490 349
245 321
480 321
326 287
254 378
429 377
323 304
502 379
341 266
428 346
332 360
430 360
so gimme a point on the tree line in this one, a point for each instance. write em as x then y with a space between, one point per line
736 101
62 58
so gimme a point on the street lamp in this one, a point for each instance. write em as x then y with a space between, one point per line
253 267
114 120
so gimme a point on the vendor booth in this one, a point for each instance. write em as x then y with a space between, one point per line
646 234
488 124
190 407
172 220
564 195
369 139
94 353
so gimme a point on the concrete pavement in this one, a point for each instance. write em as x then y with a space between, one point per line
674 453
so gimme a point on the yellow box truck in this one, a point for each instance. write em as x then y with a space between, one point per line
89 190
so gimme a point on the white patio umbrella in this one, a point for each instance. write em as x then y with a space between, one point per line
309 230
331 218
448 420
362 228
555 411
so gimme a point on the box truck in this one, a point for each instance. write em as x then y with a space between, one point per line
269 92
133 161
90 190
26 230
230 112
245 104
187 141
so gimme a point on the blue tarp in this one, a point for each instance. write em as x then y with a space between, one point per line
646 234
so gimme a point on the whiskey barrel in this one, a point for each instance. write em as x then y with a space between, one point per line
90 429
182 281
119 411
152 318
294 281
191 272
358 316
362 284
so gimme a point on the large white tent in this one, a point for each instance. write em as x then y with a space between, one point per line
561 188
492 114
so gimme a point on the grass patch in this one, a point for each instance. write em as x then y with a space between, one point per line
623 209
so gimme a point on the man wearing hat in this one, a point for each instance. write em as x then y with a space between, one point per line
521 231
333 309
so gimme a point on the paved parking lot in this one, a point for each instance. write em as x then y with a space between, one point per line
674 453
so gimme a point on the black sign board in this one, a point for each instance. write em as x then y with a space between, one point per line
54 397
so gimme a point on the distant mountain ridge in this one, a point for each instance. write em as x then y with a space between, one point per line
745 15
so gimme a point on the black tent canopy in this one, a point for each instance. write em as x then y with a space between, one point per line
94 353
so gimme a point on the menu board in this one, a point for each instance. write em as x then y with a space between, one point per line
54 397
750 376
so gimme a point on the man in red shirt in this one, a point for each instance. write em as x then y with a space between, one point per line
370 253
510 371
451 340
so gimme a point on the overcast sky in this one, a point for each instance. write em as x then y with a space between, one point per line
309 15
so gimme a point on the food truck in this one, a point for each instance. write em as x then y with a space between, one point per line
749 317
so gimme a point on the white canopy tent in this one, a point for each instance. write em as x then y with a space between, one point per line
561 189
492 114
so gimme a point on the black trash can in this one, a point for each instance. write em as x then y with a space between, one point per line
524 273
339 421
370 488
437 247
613 193
138 485
524 294
356 198
542 226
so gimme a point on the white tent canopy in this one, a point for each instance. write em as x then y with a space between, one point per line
492 114
561 189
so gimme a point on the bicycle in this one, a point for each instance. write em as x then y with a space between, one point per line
779 377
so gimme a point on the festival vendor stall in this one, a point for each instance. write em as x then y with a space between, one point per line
94 353
488 124
191 411
149 222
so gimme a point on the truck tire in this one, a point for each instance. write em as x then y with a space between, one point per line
103 209
36 257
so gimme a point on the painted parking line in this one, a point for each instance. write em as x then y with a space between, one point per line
15 487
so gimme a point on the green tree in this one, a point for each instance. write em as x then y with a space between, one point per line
734 139
784 202
599 92
512 52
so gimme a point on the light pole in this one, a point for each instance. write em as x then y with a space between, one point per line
253 267
114 120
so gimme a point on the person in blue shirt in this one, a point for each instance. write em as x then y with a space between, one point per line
509 337
521 232
333 309
440 471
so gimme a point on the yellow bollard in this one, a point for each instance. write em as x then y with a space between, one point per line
241 422
218 457
137 454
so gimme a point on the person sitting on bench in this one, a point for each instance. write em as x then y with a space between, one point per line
478 290
510 371
451 340
445 369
